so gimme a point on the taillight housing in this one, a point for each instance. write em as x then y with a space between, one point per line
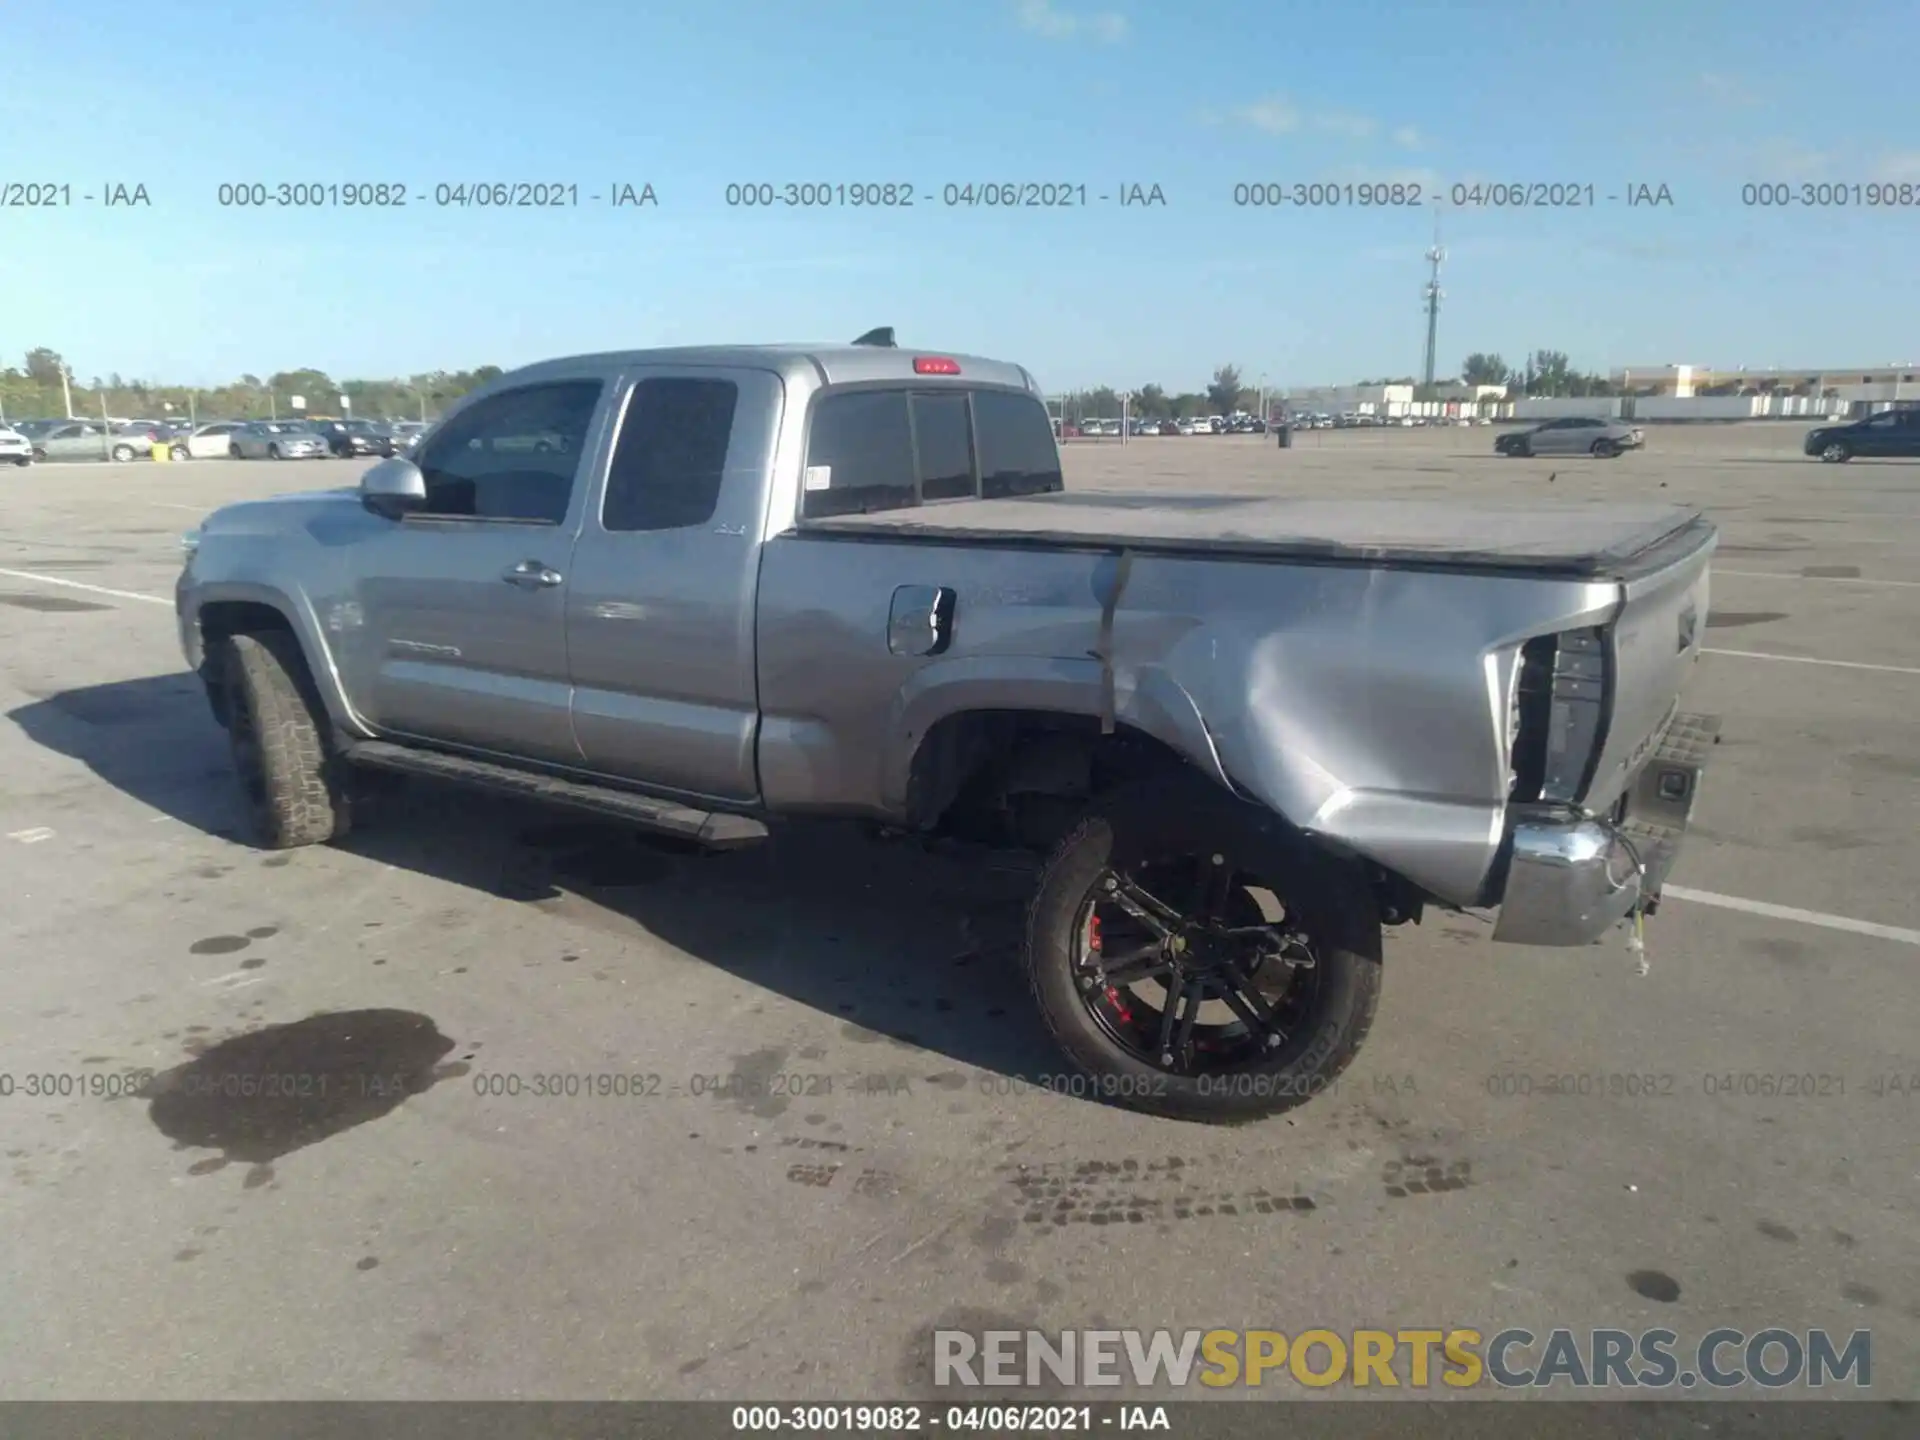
935 365
1557 715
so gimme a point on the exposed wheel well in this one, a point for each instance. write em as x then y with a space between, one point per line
1023 772
1024 777
222 618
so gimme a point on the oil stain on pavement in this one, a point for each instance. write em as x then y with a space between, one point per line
268 1092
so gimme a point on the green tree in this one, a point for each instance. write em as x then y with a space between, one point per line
1224 393
45 367
1151 402
1481 368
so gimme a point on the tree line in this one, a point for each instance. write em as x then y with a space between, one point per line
46 386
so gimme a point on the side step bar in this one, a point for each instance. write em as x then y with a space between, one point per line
715 830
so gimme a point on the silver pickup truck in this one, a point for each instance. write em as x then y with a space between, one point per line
702 590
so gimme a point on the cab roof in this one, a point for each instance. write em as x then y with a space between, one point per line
836 364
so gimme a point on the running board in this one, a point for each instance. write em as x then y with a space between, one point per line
715 830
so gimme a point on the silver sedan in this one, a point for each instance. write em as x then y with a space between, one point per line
276 440
1574 435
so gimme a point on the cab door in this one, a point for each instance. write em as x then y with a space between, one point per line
661 603
461 606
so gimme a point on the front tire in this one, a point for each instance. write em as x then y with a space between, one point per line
273 452
279 730
1836 453
1605 450
1284 951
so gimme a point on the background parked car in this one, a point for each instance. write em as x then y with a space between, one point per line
15 447
211 441
135 439
275 440
79 440
350 439
1573 435
407 433
34 429
1891 432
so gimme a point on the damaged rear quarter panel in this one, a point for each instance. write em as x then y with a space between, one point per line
1357 702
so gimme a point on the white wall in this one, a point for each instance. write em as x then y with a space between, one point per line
1699 407
1539 407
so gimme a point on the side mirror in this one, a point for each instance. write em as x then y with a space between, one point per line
393 488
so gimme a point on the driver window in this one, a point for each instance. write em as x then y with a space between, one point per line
512 456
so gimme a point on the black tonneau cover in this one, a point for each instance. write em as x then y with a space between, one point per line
1563 539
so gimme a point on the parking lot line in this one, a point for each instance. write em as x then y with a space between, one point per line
81 585
1812 660
1819 579
1790 912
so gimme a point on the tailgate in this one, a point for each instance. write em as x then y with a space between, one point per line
1652 648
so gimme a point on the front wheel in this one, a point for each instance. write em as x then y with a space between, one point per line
1605 450
23 462
233 453
273 452
1195 960
1836 453
278 729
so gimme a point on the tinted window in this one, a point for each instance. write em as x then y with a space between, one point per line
943 440
512 456
1017 453
672 453
859 455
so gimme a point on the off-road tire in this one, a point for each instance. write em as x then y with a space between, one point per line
279 729
1338 909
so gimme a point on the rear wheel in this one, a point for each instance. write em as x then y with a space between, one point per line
1836 453
1195 960
278 729
233 453
123 453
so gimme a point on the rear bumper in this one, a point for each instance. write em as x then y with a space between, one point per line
1569 881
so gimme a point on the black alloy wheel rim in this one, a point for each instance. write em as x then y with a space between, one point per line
1181 965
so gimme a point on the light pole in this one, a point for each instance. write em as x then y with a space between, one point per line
66 387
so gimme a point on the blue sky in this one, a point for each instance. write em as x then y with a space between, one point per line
690 95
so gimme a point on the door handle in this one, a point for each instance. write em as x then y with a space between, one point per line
532 575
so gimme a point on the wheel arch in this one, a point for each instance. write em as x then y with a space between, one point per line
241 608
951 718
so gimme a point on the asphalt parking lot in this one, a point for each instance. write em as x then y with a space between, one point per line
1735 1142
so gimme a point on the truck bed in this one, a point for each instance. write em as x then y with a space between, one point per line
1567 540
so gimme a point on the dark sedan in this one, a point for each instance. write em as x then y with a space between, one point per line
1893 433
351 439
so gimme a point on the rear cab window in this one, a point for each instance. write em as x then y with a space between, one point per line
892 448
